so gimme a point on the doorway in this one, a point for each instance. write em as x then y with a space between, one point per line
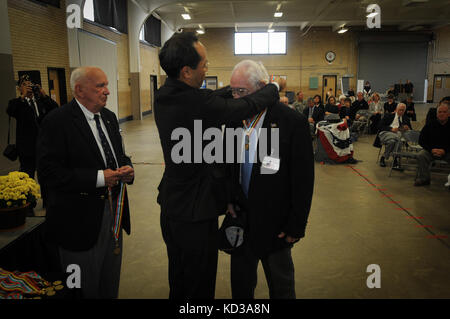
57 85
441 87
153 88
328 85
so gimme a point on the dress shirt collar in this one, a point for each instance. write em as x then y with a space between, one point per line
89 115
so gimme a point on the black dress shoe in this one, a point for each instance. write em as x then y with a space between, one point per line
382 163
421 182
396 166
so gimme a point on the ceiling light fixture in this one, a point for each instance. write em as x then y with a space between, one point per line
186 16
343 30
278 14
270 30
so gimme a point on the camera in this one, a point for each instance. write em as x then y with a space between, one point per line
36 90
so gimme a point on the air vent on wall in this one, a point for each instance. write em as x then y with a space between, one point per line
413 3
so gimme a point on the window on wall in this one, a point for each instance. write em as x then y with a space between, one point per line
88 11
260 43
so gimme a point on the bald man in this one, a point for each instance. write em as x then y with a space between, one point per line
81 159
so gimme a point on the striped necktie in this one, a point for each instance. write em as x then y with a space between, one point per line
111 163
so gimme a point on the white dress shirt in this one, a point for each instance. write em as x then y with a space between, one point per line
91 121
32 103
395 123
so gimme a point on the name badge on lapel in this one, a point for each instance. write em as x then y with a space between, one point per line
270 165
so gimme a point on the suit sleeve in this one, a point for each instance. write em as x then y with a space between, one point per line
52 148
13 108
302 180
217 110
424 138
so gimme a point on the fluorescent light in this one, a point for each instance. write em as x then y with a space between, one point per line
343 30
371 15
200 31
270 30
186 16
278 14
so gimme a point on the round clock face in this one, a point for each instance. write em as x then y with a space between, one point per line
330 56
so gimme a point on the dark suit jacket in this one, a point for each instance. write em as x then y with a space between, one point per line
356 106
27 127
279 202
187 190
389 108
68 162
385 124
318 113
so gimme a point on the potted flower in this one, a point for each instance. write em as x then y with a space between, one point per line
18 194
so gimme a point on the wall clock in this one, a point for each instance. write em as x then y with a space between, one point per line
330 56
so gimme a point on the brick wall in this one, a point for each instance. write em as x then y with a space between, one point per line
305 57
39 39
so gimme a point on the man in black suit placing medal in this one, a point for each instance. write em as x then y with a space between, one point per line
81 158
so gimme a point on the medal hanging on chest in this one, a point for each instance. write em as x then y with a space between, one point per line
249 129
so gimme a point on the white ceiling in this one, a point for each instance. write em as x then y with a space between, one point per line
395 14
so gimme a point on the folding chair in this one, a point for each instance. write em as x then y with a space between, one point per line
407 148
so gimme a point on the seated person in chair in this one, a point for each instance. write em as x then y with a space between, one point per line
390 106
410 111
391 127
435 140
314 114
344 111
331 107
376 111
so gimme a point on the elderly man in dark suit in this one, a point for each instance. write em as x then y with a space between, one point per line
189 208
29 109
274 191
81 158
391 127
435 140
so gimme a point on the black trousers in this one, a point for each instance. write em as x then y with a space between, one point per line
278 268
192 249
28 165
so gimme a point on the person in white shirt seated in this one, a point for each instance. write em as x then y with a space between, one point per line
391 127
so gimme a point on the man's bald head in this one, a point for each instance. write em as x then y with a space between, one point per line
90 87
442 112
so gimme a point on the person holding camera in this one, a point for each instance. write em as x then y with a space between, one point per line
29 109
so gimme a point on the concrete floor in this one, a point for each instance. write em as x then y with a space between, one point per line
352 224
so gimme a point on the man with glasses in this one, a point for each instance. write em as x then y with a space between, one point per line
274 190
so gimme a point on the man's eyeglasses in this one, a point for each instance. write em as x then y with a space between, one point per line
240 91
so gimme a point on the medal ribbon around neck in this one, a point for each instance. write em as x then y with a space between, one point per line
249 129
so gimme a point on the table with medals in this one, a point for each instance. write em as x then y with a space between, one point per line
29 266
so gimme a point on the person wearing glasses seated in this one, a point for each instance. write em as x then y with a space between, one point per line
392 125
